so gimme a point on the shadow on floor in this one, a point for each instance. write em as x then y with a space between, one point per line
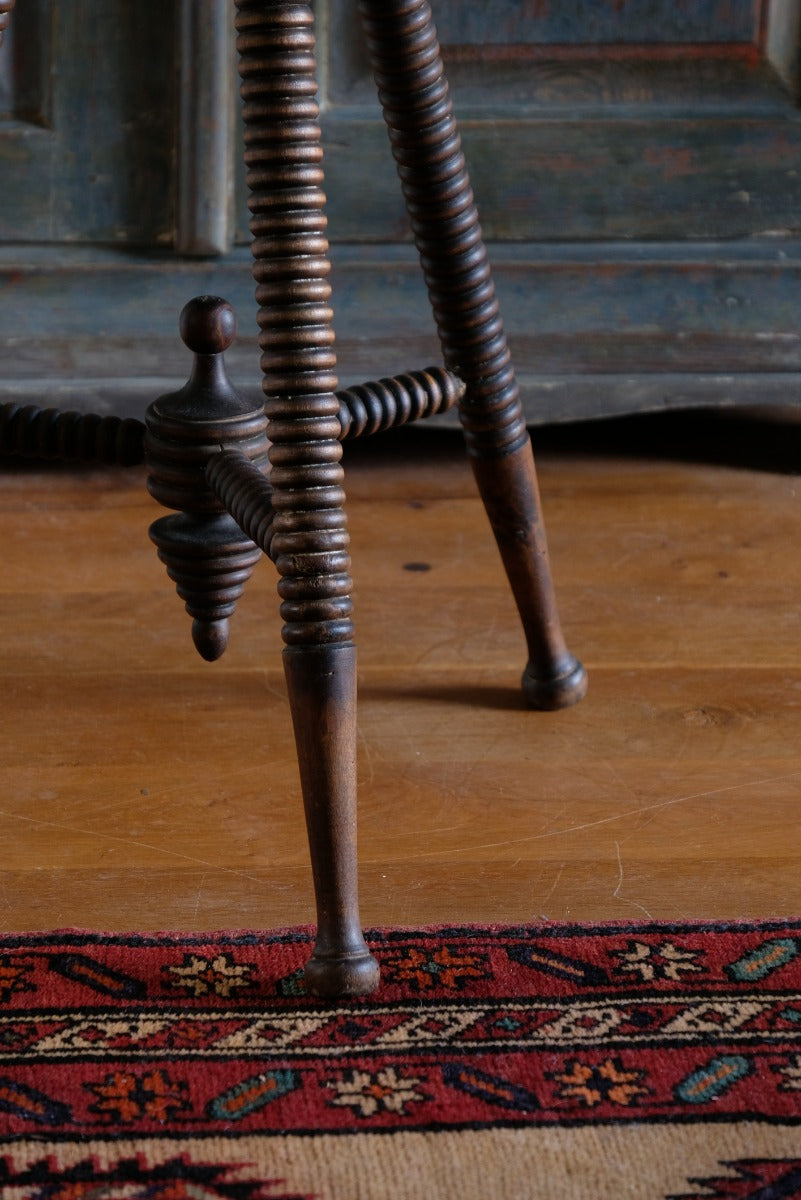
759 440
754 439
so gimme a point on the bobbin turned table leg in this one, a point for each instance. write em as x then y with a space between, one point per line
309 542
425 141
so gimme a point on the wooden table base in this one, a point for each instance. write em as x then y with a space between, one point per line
206 448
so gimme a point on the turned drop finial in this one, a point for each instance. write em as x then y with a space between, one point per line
205 552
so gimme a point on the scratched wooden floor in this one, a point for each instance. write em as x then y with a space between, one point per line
142 788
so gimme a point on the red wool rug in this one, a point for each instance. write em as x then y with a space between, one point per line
647 1061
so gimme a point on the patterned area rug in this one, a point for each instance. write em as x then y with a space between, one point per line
646 1061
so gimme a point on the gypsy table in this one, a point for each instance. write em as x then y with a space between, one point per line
207 449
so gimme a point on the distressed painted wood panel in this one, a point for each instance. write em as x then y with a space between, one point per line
91 160
711 307
594 329
637 167
561 179
514 35
701 142
581 22
6 79
206 145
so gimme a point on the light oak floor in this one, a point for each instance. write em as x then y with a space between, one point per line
141 788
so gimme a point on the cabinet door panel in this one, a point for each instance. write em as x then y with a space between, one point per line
640 119
583 22
88 142
653 180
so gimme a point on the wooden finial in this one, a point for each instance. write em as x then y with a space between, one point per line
207 325
206 553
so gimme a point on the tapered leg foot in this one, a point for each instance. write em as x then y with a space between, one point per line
552 678
556 691
339 974
321 681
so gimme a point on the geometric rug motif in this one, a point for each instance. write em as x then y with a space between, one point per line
174 1066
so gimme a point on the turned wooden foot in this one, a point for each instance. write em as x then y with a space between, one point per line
322 692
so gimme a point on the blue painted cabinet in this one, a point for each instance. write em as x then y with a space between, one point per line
637 165
87 143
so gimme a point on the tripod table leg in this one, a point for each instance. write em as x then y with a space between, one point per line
413 90
310 538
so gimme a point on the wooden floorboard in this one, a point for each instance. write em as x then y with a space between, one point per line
142 788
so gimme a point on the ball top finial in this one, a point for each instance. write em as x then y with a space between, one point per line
208 325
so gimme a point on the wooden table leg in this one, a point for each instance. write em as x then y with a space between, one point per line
310 542
414 94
